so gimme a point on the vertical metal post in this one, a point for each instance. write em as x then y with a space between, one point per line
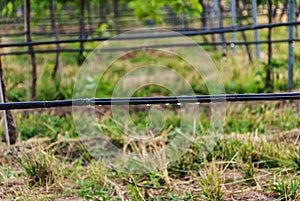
233 23
81 26
4 116
217 14
183 19
256 36
27 56
27 7
11 134
291 6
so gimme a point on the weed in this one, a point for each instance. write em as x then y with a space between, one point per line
225 150
287 190
136 193
40 167
249 172
294 157
210 183
155 180
44 125
5 173
90 191
176 197
93 183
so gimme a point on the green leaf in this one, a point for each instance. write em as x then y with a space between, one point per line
8 10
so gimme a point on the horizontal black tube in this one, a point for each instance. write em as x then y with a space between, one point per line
45 51
76 33
186 33
62 33
151 100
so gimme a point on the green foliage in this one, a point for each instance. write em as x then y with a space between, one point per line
264 2
155 180
148 10
102 30
249 172
249 157
94 185
89 190
51 92
16 95
10 7
135 193
260 118
44 125
39 168
52 89
177 197
69 58
8 10
210 183
153 9
5 173
287 190
249 84
190 7
294 158
39 8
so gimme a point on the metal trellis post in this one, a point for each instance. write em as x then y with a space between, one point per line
233 22
256 36
291 7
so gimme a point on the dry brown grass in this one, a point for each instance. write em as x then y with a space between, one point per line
225 175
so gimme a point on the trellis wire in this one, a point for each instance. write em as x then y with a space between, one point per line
186 33
45 51
66 22
151 100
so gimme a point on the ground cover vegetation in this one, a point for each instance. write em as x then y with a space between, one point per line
257 157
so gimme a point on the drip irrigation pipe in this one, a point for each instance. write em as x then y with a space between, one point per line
151 100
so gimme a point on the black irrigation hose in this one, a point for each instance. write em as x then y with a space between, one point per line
186 33
76 33
151 100
42 33
46 51
86 32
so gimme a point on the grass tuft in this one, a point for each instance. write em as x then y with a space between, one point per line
41 168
